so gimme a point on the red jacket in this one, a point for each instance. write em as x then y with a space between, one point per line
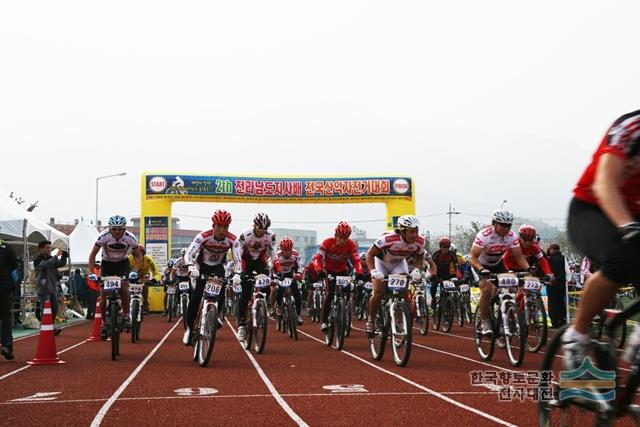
334 258
534 250
90 283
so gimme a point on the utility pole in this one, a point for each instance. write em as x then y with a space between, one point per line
451 212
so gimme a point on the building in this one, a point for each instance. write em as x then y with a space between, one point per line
302 239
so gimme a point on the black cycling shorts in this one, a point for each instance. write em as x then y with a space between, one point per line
117 268
599 239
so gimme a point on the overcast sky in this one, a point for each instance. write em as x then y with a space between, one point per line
477 101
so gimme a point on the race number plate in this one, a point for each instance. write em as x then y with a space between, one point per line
183 286
318 285
397 281
262 281
507 280
343 281
286 282
212 288
464 288
171 290
111 283
448 284
237 289
532 284
135 289
368 285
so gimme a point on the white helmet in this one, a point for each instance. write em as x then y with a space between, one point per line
502 215
408 221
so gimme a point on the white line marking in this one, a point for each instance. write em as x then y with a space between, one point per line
105 408
28 366
253 396
421 387
295 417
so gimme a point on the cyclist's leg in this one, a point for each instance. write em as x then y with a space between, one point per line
378 288
326 307
145 297
125 297
297 296
245 297
194 302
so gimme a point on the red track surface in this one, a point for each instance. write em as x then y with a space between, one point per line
171 389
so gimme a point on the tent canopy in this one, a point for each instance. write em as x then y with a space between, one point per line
81 241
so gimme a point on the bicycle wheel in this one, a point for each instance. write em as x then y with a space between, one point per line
422 315
207 340
620 333
379 339
401 334
170 299
260 330
468 312
536 325
184 301
515 339
348 316
484 343
459 309
551 410
339 324
115 330
293 322
447 313
135 323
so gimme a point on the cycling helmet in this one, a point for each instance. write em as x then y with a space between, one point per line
343 229
444 241
170 263
117 221
453 248
286 244
363 255
408 221
262 221
503 216
221 217
527 232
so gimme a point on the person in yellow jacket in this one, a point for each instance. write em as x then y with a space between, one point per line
148 273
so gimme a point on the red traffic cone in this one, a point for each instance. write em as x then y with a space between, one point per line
46 353
97 324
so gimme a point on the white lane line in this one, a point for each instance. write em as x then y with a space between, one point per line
253 396
36 332
292 414
421 387
105 408
28 366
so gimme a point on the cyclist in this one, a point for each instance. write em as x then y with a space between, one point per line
364 277
530 249
446 266
253 250
115 241
166 279
310 276
332 258
488 248
389 255
207 255
180 270
148 270
604 224
287 264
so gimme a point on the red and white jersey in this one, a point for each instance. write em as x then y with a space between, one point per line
622 140
395 249
114 250
287 264
213 251
249 246
493 245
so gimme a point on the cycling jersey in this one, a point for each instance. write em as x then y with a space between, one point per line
395 250
249 247
446 264
181 268
622 140
334 258
114 250
532 250
494 246
212 252
289 264
148 267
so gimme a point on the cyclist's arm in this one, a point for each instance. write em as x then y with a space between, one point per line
92 256
137 257
476 251
516 251
606 188
155 273
372 253
237 249
355 259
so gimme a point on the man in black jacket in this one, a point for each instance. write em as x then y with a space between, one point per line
556 291
46 267
8 276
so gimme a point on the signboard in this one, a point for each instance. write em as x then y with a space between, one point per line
248 188
156 238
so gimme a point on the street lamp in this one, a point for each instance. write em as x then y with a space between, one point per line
98 179
450 212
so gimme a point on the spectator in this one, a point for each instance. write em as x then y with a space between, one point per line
8 281
79 286
557 289
46 267
93 291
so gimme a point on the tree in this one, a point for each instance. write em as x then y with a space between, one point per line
464 236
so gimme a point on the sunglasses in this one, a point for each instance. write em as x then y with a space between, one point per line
445 246
502 224
527 239
116 228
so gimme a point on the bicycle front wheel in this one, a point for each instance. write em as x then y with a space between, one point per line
260 330
115 330
514 331
536 325
422 314
447 313
339 324
293 322
207 339
401 334
379 339
484 343
135 323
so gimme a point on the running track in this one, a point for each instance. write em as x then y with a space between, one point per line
304 382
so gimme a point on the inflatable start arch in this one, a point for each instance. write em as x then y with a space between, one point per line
160 190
